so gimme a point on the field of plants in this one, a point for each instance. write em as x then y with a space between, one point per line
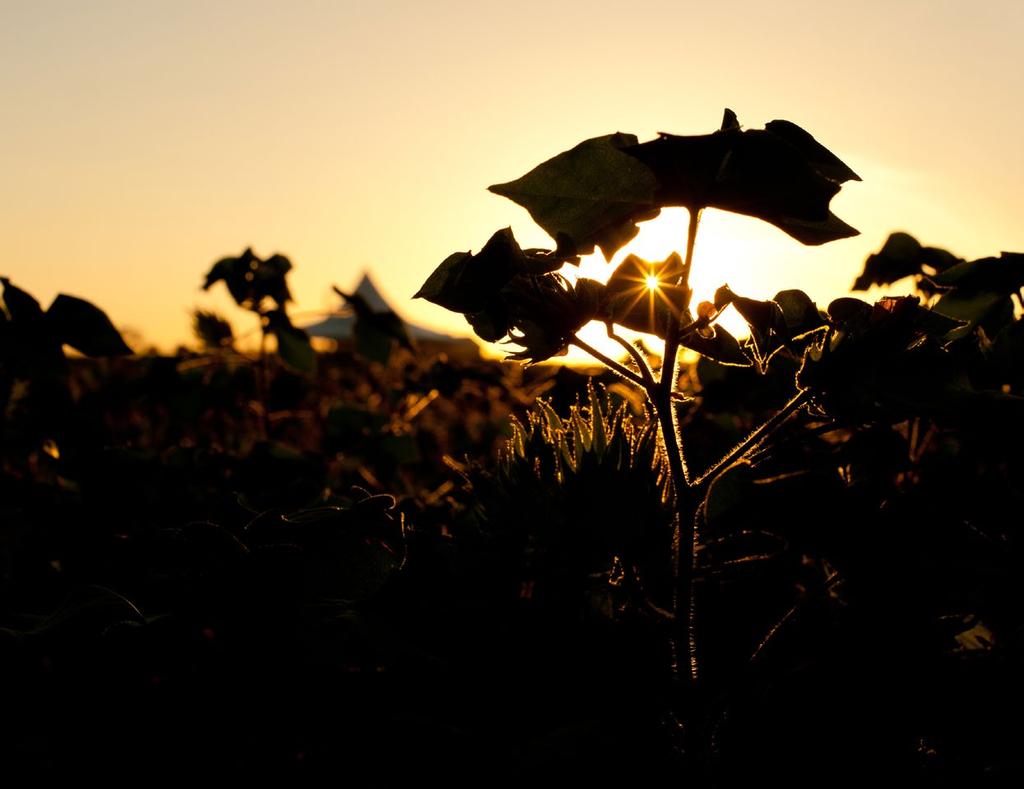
786 556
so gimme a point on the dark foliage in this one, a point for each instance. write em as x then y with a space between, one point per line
388 565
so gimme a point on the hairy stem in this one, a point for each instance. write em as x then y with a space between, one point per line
638 359
755 438
622 370
683 548
609 362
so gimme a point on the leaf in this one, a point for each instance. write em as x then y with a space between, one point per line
85 327
21 306
720 346
799 313
348 553
88 612
977 637
232 271
849 313
466 283
250 280
902 256
729 492
591 195
293 344
375 332
1008 351
896 315
270 278
886 362
816 154
765 319
212 330
780 174
372 344
979 287
545 313
491 325
631 302
1004 274
28 348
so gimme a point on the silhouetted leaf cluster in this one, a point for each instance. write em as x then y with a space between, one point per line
594 194
32 339
209 564
376 333
260 285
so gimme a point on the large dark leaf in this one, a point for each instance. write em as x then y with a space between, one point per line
595 193
780 174
902 256
465 282
979 289
22 307
1004 274
591 195
29 347
85 327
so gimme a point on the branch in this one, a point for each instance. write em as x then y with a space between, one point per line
622 370
757 436
693 327
608 361
638 358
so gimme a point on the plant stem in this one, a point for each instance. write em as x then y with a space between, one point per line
609 362
264 385
683 537
756 437
638 359
621 370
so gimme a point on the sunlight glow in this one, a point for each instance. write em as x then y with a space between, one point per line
723 255
745 253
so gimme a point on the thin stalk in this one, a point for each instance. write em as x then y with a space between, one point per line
683 548
638 359
264 386
693 327
622 370
609 362
756 437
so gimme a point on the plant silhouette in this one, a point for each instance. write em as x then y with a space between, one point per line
852 369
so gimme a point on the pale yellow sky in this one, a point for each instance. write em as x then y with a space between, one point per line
140 141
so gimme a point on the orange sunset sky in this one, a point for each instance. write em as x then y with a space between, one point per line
143 140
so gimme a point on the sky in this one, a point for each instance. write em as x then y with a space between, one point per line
141 141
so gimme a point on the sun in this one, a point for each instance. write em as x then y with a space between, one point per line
720 251
742 252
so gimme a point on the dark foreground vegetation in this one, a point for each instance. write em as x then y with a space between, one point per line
792 557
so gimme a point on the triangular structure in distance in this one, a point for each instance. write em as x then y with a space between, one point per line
340 325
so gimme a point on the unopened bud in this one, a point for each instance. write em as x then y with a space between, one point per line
706 311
